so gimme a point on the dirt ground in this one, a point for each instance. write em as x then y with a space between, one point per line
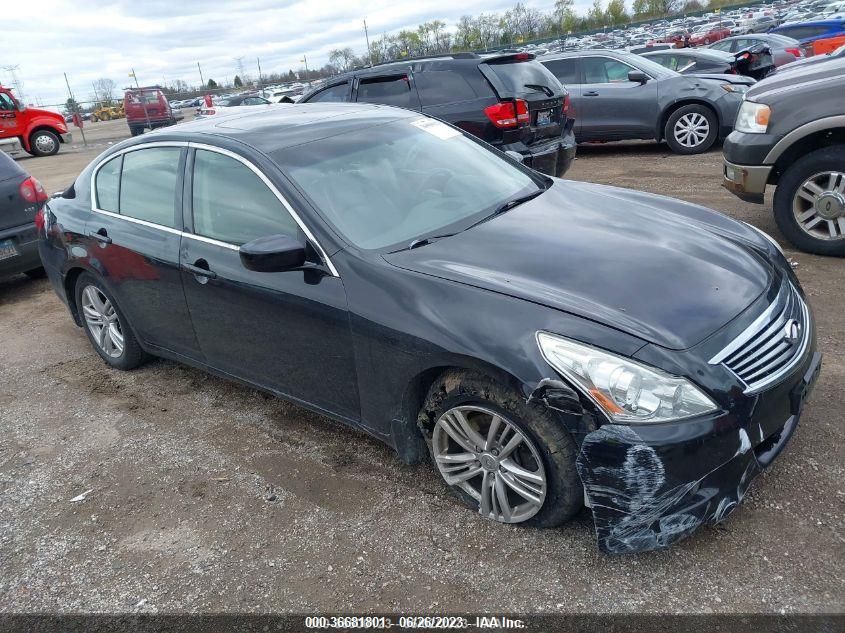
208 496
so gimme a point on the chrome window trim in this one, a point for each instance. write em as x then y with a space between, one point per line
279 196
201 238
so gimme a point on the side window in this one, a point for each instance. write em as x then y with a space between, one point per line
148 184
395 90
669 61
108 185
336 93
603 70
6 103
440 86
684 63
232 204
566 70
255 101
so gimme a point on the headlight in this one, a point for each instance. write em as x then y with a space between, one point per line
768 237
752 118
625 390
737 88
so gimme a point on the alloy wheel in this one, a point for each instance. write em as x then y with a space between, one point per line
490 459
45 143
819 205
102 321
692 129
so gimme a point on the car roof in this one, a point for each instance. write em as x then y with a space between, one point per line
269 128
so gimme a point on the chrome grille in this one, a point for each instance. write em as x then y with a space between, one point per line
772 345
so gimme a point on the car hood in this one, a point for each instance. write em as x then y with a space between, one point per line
666 271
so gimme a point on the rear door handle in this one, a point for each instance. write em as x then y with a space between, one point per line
199 271
591 93
101 236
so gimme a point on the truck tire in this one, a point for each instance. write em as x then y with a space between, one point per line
809 202
43 143
691 129
94 118
135 130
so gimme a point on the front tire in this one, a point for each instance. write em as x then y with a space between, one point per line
691 129
43 143
106 326
809 202
510 461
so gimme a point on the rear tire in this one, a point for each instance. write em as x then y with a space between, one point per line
106 325
809 178
134 130
546 450
691 129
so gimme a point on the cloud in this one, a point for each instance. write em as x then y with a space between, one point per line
164 39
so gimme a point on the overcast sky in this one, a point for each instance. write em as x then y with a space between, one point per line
164 39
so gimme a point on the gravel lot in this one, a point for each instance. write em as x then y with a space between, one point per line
208 496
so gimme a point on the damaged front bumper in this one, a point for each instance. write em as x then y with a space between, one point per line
651 485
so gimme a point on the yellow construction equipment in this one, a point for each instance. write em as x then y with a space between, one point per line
105 112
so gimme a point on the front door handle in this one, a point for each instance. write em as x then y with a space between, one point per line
591 93
199 271
101 236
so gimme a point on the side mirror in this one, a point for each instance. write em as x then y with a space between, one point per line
637 76
273 254
516 156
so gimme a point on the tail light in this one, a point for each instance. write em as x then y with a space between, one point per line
508 114
794 51
32 191
522 115
566 103
39 219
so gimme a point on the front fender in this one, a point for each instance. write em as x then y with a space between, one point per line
40 121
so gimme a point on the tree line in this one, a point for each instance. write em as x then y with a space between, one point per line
515 26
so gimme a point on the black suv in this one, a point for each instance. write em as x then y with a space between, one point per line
790 132
20 197
510 101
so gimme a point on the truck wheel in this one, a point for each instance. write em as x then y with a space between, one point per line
43 143
134 130
809 202
94 118
692 129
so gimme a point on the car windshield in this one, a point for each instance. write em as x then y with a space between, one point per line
383 187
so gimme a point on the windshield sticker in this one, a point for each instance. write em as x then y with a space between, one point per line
438 129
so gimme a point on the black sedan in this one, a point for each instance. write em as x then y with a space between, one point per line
20 198
548 343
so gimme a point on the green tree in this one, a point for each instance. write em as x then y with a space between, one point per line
72 106
238 83
616 12
212 84
640 8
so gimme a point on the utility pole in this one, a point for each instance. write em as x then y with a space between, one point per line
304 60
367 37
258 59
70 94
202 81
12 70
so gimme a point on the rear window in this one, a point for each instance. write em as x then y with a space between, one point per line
516 76
142 97
8 167
395 91
441 86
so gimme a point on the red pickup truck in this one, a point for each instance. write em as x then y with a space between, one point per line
39 132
